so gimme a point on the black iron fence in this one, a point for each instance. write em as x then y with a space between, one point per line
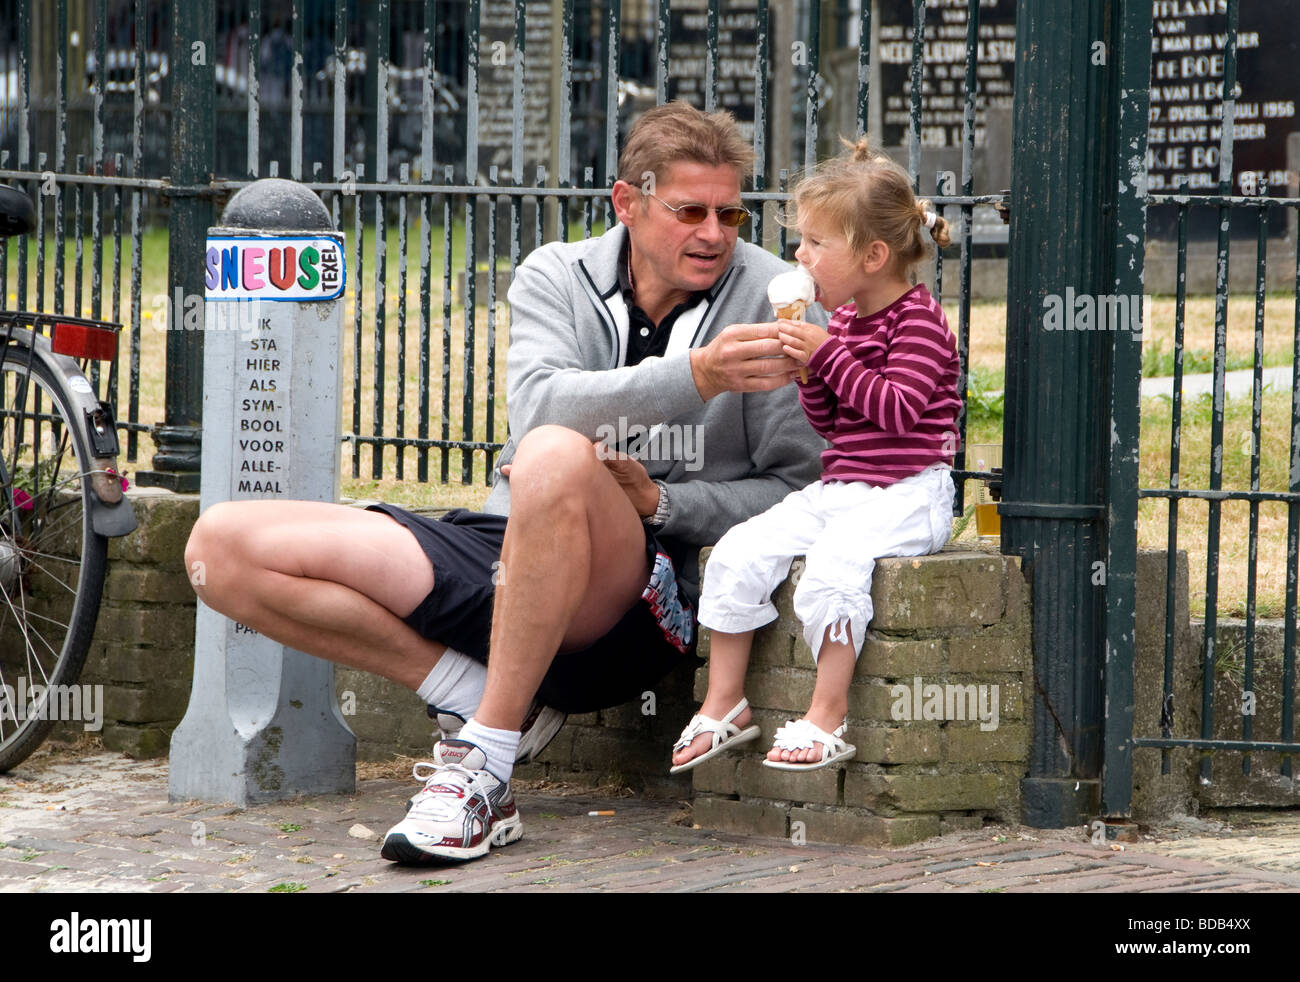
1258 212
451 137
381 108
1216 494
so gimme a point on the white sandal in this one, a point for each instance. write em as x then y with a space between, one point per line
801 734
726 734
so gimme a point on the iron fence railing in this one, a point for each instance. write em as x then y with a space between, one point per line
1216 495
1226 209
330 92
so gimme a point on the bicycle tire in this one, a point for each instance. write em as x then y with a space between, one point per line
46 543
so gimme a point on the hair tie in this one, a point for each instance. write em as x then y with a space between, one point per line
930 218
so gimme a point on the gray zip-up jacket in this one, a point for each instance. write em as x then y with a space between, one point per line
565 366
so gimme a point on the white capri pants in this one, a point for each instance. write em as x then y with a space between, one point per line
841 528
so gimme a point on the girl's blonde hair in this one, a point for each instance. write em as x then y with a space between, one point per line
868 197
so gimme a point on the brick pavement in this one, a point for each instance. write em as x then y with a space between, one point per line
101 822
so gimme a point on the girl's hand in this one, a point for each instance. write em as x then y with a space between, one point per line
800 339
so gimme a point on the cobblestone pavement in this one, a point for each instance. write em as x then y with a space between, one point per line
101 822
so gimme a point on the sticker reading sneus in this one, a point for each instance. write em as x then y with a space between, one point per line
79 383
301 267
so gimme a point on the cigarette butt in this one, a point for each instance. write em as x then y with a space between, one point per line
596 814
803 375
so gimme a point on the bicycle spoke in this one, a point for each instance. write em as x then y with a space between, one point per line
68 560
65 520
48 573
23 626
65 517
42 617
27 629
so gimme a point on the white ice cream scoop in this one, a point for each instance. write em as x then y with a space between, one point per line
790 288
790 293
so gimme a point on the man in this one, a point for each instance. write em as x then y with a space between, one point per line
584 597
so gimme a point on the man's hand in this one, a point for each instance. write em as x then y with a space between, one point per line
800 339
632 478
743 358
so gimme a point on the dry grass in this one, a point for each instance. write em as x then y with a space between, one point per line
987 347
1235 516
988 334
1198 330
396 768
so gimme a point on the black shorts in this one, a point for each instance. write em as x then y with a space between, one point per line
465 548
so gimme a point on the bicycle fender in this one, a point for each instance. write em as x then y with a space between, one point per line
111 514
113 520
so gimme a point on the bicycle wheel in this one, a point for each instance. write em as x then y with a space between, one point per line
51 561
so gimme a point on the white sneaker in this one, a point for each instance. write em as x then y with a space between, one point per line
539 728
462 812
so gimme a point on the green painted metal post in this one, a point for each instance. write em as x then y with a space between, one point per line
193 148
1131 102
1061 279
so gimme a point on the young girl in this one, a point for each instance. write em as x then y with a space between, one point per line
882 388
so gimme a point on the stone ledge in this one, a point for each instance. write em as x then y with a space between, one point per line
959 618
147 579
852 826
144 653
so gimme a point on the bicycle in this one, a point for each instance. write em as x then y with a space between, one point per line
60 501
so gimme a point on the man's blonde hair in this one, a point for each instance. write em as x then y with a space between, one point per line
677 131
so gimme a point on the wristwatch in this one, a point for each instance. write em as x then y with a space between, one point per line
660 517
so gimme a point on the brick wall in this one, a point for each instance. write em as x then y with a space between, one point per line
1228 786
143 649
957 618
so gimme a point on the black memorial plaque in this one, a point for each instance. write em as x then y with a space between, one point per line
737 50
943 86
496 87
1188 48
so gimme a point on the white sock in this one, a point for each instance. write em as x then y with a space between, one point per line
500 746
455 684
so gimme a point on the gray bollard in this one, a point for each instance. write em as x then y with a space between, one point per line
263 722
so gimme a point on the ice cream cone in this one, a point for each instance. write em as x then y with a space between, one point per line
794 312
790 293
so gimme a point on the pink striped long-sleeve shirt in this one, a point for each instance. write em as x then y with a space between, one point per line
883 390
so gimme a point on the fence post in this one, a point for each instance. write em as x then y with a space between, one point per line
1132 108
1057 439
193 154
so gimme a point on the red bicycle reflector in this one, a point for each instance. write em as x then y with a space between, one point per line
84 341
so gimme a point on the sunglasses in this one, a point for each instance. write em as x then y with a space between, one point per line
731 216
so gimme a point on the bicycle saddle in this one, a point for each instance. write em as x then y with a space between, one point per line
17 216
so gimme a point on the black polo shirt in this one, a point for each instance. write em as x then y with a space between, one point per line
645 339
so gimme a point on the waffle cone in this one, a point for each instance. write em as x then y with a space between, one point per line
794 312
